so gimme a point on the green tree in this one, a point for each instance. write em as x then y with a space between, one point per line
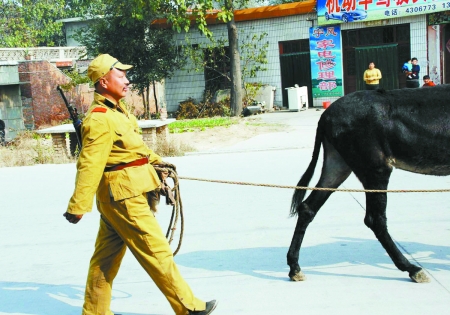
33 23
214 56
235 60
254 59
276 2
151 51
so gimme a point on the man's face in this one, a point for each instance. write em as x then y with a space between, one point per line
426 80
371 65
116 83
414 62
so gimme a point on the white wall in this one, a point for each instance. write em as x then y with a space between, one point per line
434 54
71 28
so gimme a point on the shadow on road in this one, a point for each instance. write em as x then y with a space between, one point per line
260 262
46 299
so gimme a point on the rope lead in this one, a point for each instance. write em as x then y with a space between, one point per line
315 188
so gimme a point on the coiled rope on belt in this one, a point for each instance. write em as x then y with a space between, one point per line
314 188
177 209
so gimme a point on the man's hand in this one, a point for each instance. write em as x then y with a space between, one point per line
163 174
73 218
165 169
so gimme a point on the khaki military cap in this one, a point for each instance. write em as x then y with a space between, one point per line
102 64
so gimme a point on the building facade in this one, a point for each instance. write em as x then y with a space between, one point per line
390 39
10 99
28 96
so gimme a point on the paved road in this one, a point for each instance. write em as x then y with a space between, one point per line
302 125
235 241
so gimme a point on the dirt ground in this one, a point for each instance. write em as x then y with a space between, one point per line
221 137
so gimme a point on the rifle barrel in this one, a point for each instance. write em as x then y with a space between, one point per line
73 115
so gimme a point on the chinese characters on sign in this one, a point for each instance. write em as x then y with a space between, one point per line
344 11
326 61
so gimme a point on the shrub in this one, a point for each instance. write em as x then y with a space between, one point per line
172 148
29 148
187 110
190 110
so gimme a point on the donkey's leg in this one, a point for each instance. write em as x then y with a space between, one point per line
334 172
376 220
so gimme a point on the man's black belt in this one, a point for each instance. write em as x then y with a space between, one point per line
119 167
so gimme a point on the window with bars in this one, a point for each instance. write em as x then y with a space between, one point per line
294 46
351 39
217 69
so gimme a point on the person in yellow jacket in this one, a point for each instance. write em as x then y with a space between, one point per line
372 77
116 166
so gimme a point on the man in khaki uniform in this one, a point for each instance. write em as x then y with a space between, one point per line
116 165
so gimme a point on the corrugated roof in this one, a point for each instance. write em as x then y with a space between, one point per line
260 13
268 12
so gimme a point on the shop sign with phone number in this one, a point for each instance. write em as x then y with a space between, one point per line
347 11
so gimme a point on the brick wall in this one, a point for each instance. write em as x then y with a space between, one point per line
38 89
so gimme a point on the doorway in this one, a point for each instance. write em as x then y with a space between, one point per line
446 54
295 69
386 60
295 65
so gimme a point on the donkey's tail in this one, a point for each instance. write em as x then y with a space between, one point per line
299 194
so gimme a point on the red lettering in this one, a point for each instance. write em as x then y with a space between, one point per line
386 3
333 6
317 32
327 86
366 3
326 54
349 5
326 65
324 44
330 31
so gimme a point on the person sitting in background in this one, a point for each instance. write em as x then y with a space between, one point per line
427 81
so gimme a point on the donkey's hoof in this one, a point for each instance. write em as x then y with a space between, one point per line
299 276
419 277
